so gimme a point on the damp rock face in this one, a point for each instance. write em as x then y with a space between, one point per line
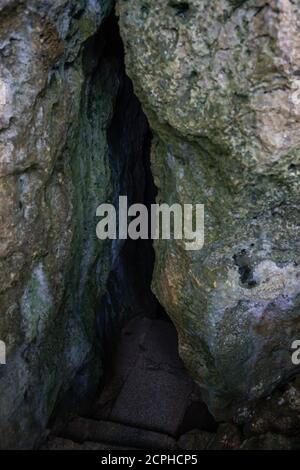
57 96
219 82
73 136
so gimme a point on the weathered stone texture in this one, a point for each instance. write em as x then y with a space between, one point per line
219 81
53 174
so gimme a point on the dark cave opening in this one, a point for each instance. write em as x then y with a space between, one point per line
129 312
128 292
144 385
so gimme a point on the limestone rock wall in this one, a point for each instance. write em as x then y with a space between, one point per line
219 81
57 95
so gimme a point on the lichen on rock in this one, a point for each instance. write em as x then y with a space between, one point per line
219 83
50 166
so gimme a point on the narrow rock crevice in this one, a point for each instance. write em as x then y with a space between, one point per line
128 291
145 391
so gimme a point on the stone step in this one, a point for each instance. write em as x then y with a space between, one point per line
153 389
126 354
81 430
59 443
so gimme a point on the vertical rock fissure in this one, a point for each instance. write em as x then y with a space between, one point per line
133 328
128 290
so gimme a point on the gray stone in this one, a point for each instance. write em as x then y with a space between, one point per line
123 361
82 430
278 413
53 174
195 440
271 441
73 136
219 83
58 443
228 437
155 391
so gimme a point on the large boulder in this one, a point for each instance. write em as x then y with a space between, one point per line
219 81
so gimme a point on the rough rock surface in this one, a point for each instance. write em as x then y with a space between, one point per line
195 440
147 398
145 419
56 102
72 136
147 386
276 414
219 81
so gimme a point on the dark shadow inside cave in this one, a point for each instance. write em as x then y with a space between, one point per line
128 291
146 398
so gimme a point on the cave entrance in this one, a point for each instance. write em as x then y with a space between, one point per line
146 398
128 291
